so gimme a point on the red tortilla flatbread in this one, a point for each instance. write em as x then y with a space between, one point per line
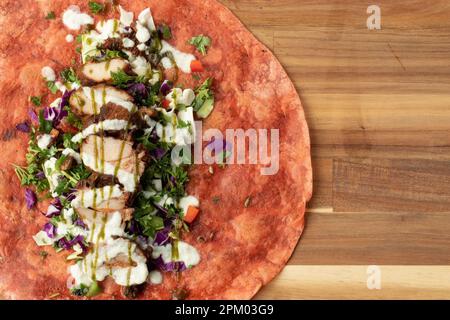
241 247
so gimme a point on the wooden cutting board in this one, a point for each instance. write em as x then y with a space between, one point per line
378 107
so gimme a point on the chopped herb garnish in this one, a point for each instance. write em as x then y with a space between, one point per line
204 99
45 126
121 79
216 199
69 75
96 7
52 86
165 32
37 101
73 119
201 42
43 254
50 16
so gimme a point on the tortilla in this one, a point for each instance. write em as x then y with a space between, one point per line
242 247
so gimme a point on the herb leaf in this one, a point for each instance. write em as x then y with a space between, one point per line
36 100
50 16
96 7
52 86
166 32
121 79
45 126
69 75
201 42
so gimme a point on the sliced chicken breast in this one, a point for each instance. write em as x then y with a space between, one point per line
101 71
90 100
115 157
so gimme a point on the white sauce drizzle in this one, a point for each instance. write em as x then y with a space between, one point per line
44 141
187 253
155 277
48 73
187 201
106 125
126 18
182 59
74 19
69 38
146 19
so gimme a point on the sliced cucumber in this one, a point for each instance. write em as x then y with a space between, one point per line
206 108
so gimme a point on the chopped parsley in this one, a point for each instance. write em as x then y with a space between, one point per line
69 75
201 42
50 16
120 79
37 101
165 32
96 7
52 86
204 99
45 126
73 119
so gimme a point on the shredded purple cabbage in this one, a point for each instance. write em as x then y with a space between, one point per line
138 91
134 228
71 195
40 175
30 198
162 236
50 230
65 99
160 208
171 266
158 153
54 114
80 223
54 209
33 116
166 86
68 244
24 127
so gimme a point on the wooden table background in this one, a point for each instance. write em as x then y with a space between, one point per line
378 108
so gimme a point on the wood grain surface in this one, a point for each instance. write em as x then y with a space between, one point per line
378 107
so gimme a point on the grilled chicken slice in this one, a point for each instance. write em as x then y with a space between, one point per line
106 199
90 100
101 71
115 157
90 215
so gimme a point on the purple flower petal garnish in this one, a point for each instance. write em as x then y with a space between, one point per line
30 198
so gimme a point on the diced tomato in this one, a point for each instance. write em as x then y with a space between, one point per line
191 214
196 66
165 103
